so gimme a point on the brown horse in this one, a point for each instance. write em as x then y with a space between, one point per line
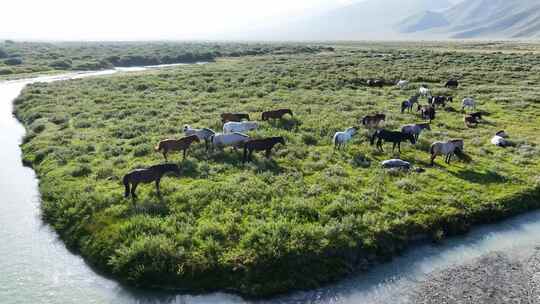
146 176
470 121
265 144
373 121
427 112
238 117
168 145
276 114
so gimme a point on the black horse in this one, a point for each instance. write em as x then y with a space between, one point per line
146 176
394 137
407 105
452 83
265 144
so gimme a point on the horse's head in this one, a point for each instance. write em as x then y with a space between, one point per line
352 130
502 134
264 116
419 108
186 128
174 168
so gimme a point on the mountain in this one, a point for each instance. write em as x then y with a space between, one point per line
479 19
369 19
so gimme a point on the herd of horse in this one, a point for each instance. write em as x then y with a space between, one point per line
236 124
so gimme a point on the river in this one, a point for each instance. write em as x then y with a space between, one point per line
36 267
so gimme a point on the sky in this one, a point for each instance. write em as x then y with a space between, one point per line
145 19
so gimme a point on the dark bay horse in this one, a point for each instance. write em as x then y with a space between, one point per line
182 144
373 121
265 144
394 137
146 176
452 83
238 117
427 112
408 105
276 114
470 121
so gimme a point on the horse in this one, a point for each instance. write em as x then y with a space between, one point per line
276 114
202 134
477 115
452 83
438 101
414 98
225 117
375 83
500 140
427 112
470 120
145 176
448 149
341 138
408 105
168 145
265 144
402 84
230 139
244 126
372 121
415 129
449 99
423 91
394 137
468 103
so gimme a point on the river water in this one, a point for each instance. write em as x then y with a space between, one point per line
35 266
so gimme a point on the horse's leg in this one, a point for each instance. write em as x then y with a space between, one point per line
433 156
250 155
157 185
133 190
185 152
393 146
245 155
268 152
399 146
165 155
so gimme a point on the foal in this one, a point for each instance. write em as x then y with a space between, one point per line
168 145
276 114
265 144
146 176
391 136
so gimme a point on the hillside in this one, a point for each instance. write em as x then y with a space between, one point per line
480 19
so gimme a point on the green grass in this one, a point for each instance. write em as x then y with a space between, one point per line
305 217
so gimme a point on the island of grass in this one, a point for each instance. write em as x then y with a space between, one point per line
307 216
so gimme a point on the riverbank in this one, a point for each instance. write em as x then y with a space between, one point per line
308 216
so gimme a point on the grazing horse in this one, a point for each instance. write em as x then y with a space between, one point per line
168 145
500 140
375 83
468 103
452 83
341 138
203 134
438 101
225 117
427 112
415 129
265 144
470 120
276 114
391 136
244 126
402 84
414 98
448 149
477 115
373 121
408 105
230 139
423 91
145 176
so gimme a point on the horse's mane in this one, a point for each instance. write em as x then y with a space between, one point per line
209 130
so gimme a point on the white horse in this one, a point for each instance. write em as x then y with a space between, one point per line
500 139
402 84
229 140
468 103
203 134
424 91
244 126
342 138
448 149
415 129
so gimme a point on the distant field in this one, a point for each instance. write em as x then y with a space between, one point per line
24 58
307 216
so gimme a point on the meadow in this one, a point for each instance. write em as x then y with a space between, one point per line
308 215
26 58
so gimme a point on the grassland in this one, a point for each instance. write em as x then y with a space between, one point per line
25 58
306 217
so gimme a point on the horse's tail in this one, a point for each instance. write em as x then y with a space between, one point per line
336 140
372 140
432 149
126 185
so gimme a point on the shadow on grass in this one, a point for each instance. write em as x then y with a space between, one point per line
262 164
487 177
288 124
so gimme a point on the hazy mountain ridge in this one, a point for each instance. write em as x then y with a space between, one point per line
481 19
